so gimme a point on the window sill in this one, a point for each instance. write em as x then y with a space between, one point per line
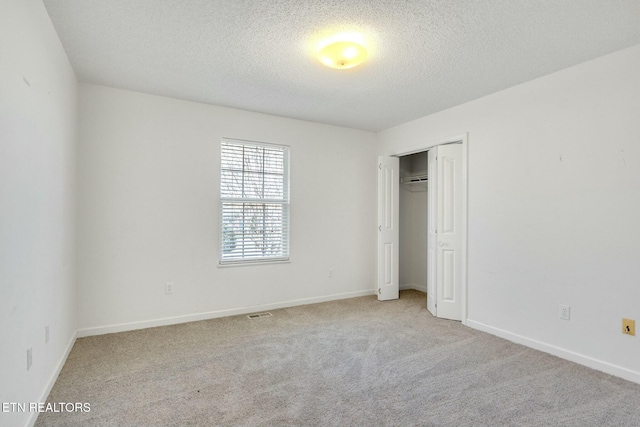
250 263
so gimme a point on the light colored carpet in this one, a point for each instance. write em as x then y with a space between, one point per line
356 362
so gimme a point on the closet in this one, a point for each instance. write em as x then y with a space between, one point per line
422 227
413 201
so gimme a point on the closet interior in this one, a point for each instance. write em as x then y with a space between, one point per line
413 221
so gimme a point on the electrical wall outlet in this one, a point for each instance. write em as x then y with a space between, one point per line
46 334
29 357
565 312
629 327
168 288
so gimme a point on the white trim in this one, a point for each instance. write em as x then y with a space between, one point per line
52 379
256 143
246 263
420 147
464 140
465 224
131 326
563 353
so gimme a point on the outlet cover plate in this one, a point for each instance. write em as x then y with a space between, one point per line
629 327
565 312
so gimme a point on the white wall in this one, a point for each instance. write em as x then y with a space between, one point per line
413 239
554 208
419 240
405 241
38 120
148 212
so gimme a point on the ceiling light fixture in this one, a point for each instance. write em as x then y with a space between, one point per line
342 51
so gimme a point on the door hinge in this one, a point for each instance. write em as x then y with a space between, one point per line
379 291
380 166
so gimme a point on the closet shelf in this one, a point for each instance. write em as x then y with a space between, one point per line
416 179
415 182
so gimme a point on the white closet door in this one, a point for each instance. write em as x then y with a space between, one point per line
449 231
431 230
388 227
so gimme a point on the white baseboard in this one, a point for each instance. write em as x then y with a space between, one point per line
581 359
412 286
123 327
52 380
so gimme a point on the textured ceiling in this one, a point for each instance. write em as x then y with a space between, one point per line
424 56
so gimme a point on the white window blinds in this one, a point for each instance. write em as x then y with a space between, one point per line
254 202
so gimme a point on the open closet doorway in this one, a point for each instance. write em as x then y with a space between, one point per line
413 199
423 221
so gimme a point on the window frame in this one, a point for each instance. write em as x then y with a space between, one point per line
285 202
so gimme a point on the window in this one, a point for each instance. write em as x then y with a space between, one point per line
254 202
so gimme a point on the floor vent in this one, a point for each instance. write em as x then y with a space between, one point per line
258 315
